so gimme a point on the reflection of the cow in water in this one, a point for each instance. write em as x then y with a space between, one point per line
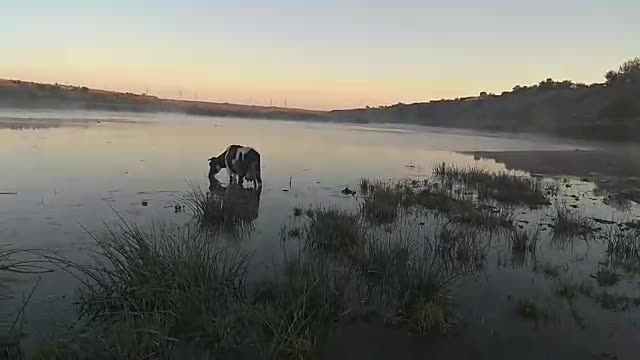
240 206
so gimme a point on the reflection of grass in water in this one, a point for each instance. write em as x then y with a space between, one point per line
623 246
568 224
14 261
502 187
523 242
214 213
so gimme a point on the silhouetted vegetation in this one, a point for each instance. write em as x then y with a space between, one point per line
608 110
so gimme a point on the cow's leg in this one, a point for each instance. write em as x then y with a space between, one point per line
230 175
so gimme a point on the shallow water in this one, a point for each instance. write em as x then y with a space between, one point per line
66 173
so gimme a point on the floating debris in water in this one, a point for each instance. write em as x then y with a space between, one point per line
145 203
178 208
8 193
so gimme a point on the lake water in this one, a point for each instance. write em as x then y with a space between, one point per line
68 173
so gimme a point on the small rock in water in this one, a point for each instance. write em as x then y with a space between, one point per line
145 203
347 191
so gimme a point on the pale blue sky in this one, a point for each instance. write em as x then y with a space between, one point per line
329 54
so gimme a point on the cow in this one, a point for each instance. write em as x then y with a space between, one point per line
242 163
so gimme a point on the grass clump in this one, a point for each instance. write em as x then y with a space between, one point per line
381 200
502 187
528 309
333 230
406 286
458 210
568 223
168 285
567 290
298 308
607 277
458 249
624 246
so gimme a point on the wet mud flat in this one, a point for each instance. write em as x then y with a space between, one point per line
615 171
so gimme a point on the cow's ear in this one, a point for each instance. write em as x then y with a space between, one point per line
211 159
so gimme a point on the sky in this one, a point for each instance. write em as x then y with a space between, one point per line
326 54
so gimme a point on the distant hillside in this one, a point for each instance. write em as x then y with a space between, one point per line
29 95
608 111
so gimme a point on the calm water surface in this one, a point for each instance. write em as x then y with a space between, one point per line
65 171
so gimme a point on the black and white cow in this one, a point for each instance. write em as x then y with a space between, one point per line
241 162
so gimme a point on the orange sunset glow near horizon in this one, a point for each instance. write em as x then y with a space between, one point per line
315 55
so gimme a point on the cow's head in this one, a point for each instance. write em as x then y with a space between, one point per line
215 165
